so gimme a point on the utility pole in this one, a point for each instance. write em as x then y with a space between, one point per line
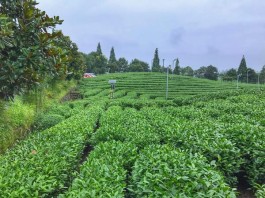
173 64
258 81
247 76
167 84
237 80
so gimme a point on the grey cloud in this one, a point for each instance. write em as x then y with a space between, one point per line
213 50
176 35
198 32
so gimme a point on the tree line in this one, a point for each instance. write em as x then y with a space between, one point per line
210 72
244 74
97 62
32 52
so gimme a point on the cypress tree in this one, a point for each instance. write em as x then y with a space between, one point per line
112 64
242 70
112 58
156 66
177 68
99 51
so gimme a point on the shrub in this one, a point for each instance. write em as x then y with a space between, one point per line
260 191
45 121
162 171
42 165
104 173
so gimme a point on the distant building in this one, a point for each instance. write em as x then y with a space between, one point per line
89 75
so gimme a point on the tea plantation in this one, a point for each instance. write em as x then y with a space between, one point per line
201 142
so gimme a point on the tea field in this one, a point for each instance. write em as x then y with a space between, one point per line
153 86
204 141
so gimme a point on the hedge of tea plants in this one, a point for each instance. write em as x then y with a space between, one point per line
104 174
42 165
162 171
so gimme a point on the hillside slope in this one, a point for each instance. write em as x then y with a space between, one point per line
153 86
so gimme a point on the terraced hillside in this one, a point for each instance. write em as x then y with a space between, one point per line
153 86
210 145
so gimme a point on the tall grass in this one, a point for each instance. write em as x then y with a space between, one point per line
18 114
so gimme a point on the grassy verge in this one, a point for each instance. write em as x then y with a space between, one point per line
18 115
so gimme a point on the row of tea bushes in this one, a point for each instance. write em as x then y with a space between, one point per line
105 172
241 120
197 136
42 165
58 112
162 171
153 125
126 125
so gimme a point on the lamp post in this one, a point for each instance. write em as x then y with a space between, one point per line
151 66
173 64
247 75
167 83
237 80
167 77
258 81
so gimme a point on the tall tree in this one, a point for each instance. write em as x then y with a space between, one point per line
122 65
230 75
96 63
112 63
242 70
199 73
76 66
252 76
177 68
187 71
211 73
99 51
262 75
138 66
28 50
112 58
156 66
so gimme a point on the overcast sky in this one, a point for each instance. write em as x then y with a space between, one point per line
197 32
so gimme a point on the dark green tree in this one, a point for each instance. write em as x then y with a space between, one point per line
187 71
99 51
242 70
96 63
112 63
28 50
90 60
156 62
211 73
262 75
199 73
252 76
76 67
122 64
138 66
177 68
230 75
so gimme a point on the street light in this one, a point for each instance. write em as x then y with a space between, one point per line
163 65
173 64
258 81
247 75
167 83
151 66
237 80
167 78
